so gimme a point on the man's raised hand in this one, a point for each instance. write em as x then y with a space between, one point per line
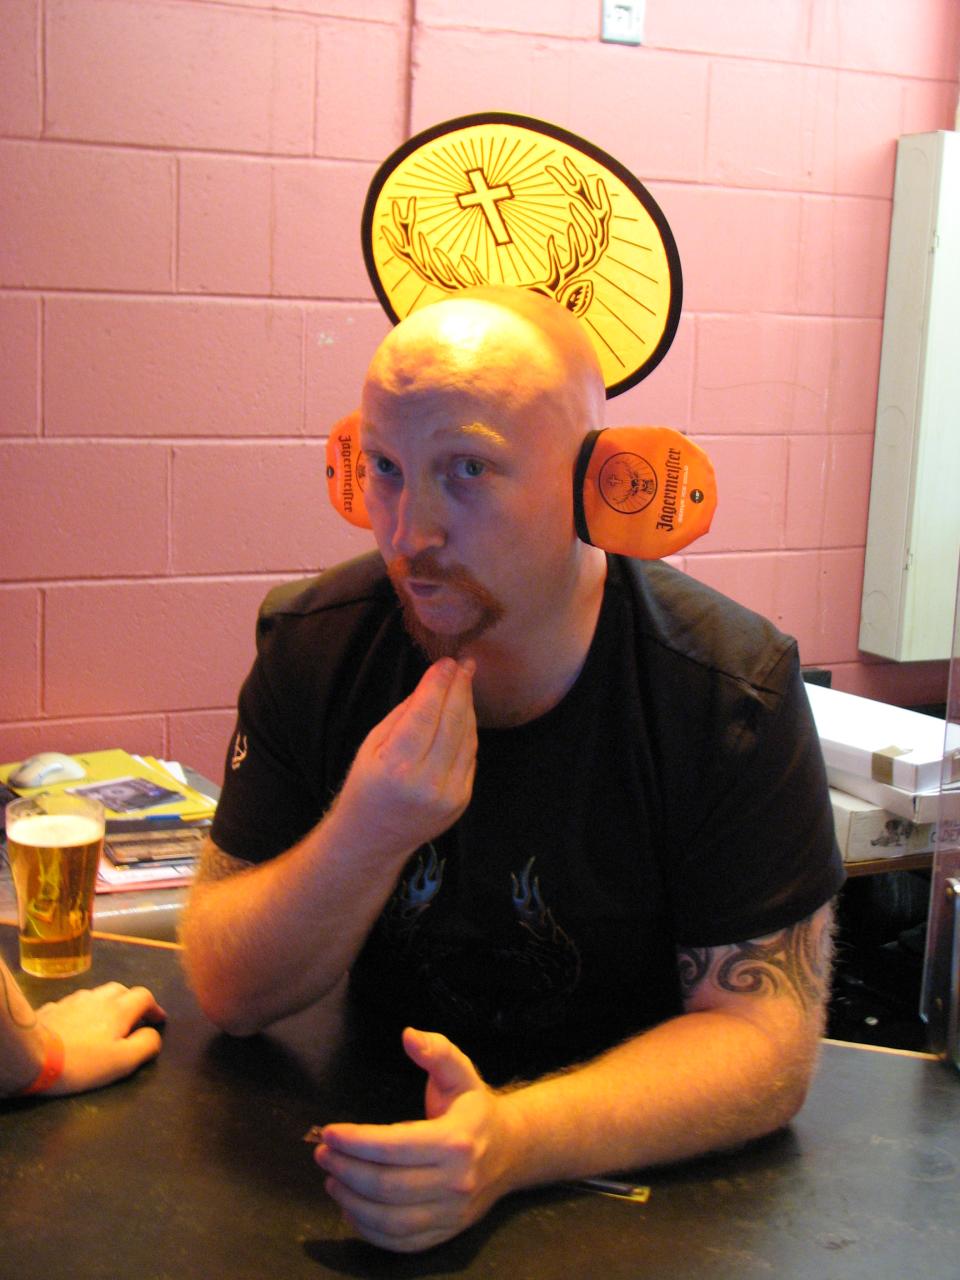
413 775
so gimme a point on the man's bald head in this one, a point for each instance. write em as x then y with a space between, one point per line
492 352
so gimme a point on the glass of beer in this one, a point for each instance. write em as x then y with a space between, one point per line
54 843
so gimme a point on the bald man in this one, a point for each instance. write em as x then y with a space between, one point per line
556 816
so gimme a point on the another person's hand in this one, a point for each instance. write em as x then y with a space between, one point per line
413 775
409 1186
96 1027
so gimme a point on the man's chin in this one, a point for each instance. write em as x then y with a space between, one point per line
460 613
436 644
449 642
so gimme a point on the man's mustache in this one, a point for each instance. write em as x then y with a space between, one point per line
425 565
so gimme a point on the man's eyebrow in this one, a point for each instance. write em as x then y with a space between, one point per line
480 431
464 430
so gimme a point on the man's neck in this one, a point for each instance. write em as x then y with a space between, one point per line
519 680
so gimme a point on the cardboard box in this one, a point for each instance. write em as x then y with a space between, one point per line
918 807
866 831
881 743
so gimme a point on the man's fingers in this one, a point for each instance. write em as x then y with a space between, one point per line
451 1070
402 1228
411 720
407 1143
380 733
386 1184
457 730
435 713
427 700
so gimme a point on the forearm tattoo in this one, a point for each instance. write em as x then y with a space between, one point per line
794 962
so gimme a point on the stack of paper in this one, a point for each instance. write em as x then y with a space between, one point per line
155 819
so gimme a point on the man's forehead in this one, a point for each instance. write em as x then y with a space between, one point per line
434 421
474 363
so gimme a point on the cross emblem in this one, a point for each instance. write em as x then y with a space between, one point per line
487 198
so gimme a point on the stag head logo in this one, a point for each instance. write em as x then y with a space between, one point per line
566 272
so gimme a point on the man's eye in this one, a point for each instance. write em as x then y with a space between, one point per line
468 468
383 466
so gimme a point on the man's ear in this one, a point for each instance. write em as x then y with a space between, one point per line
637 491
642 491
347 470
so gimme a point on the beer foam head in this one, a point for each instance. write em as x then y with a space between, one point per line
55 830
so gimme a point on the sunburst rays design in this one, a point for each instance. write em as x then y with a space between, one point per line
484 202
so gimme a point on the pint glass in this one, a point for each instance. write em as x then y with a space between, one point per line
54 844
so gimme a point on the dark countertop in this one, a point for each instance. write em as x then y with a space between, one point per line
196 1167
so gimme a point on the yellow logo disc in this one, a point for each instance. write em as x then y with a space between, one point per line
507 200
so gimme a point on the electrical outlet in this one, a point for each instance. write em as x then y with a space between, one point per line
622 21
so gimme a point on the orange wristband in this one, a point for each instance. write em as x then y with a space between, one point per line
52 1065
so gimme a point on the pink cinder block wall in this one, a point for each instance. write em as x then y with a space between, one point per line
184 310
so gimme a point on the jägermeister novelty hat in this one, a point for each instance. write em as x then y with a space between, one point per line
507 200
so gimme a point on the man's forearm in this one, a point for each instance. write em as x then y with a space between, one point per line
735 1066
699 1083
702 1082
276 937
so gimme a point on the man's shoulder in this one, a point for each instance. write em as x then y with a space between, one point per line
325 618
358 582
689 622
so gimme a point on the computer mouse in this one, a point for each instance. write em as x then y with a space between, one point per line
46 767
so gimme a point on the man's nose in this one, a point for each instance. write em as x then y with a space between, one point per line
419 525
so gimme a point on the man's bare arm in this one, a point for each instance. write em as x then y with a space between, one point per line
734 1066
795 962
264 941
215 865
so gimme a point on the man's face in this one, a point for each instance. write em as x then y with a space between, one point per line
471 508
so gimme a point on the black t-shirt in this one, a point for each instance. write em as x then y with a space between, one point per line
676 796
